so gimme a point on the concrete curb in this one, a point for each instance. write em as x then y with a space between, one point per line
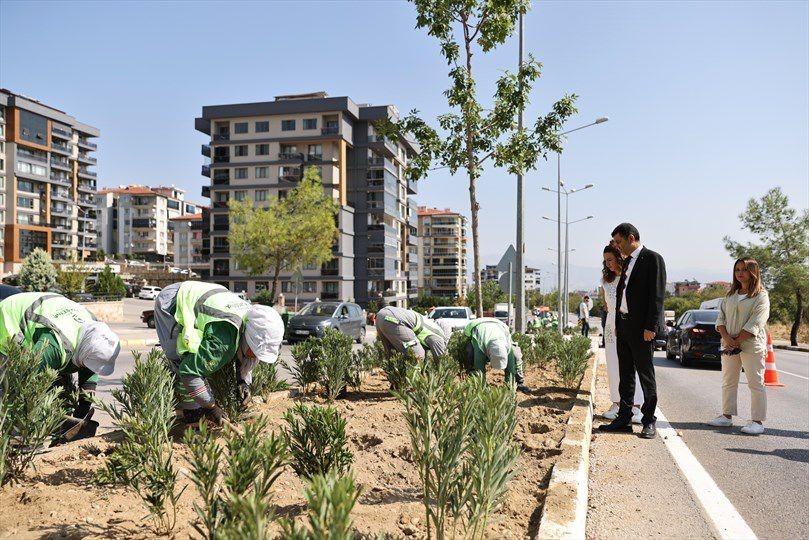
138 343
799 348
564 514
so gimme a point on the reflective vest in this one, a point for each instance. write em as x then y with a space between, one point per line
488 329
423 329
198 305
21 315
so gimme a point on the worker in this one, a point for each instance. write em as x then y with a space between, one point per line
68 338
202 327
490 340
402 329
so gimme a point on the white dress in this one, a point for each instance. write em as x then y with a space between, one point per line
610 349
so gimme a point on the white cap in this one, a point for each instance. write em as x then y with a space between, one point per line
98 348
263 332
497 352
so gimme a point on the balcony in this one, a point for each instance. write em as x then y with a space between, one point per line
221 178
84 158
87 144
84 171
314 157
60 163
61 132
224 136
206 171
61 210
61 148
221 159
206 192
330 130
297 156
64 180
86 201
206 150
292 175
25 154
89 188
61 194
144 223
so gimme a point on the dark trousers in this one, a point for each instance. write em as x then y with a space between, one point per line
585 328
635 354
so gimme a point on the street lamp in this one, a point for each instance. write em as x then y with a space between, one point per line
600 120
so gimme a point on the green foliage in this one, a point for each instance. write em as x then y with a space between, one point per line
109 283
571 360
491 295
547 343
30 410
317 440
335 361
264 297
306 368
265 380
396 366
71 278
101 255
288 234
37 273
456 350
145 415
681 304
362 361
329 499
426 302
224 385
238 505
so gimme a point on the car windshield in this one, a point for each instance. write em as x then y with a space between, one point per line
706 317
448 314
319 309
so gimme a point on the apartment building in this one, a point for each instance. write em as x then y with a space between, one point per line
47 182
441 252
136 221
188 252
258 151
532 280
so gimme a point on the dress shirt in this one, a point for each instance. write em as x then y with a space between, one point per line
635 255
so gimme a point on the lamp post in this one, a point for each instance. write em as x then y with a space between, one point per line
519 312
559 209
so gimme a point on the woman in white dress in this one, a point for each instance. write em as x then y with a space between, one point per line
610 273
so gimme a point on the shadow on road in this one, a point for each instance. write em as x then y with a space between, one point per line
792 454
698 426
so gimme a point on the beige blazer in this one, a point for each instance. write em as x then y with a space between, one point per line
749 314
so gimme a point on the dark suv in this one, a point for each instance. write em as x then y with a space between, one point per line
313 319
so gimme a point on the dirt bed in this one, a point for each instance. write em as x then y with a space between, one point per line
57 500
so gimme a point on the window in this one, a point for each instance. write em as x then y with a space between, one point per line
262 149
287 125
262 286
25 185
262 172
309 266
190 209
240 127
174 205
30 168
262 127
261 195
282 194
221 267
29 240
310 123
315 151
309 286
222 196
25 202
239 195
241 173
241 150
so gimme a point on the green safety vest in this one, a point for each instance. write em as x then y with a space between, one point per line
488 329
198 305
21 315
423 329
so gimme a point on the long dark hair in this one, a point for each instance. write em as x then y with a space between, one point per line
755 277
608 275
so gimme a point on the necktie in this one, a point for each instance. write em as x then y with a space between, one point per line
621 285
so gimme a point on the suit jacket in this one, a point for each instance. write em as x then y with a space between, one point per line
645 290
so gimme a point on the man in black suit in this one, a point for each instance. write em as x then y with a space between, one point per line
639 315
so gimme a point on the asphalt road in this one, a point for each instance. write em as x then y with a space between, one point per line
765 477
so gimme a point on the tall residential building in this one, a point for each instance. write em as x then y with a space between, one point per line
47 186
258 151
188 252
135 220
532 276
442 252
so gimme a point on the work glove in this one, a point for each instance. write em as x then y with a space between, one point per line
244 392
214 414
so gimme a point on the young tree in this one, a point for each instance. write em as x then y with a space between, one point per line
473 133
109 283
37 273
490 295
101 255
71 278
783 251
288 234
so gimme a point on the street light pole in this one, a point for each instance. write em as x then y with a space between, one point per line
519 312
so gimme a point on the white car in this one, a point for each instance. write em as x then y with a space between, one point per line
457 316
149 293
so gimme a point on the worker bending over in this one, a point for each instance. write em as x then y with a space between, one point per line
403 329
490 342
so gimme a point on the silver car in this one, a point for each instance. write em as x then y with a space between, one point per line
313 320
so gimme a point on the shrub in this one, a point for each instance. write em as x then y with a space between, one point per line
264 297
335 361
396 366
572 358
456 349
316 439
265 380
109 283
306 368
362 361
30 410
37 273
145 415
224 385
329 499
546 344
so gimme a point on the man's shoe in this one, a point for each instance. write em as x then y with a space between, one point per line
616 426
522 387
721 421
648 432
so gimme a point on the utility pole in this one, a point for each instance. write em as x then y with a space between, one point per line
519 312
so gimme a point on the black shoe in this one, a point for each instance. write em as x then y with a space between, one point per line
523 388
648 431
617 426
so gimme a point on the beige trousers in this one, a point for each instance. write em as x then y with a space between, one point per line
754 372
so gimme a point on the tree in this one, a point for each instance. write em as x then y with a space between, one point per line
290 233
37 273
109 283
474 134
71 277
101 255
783 251
490 295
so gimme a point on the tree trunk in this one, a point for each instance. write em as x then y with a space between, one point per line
275 280
796 325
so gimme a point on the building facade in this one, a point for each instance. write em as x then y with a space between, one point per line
136 221
533 280
188 252
47 182
684 287
441 253
258 152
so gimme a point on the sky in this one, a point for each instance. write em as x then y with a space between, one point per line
708 103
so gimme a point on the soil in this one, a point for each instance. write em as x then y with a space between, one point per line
56 500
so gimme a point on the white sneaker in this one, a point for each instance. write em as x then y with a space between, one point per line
753 428
637 416
721 421
611 413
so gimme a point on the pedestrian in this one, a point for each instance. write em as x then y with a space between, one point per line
638 317
490 343
403 329
68 338
741 323
611 269
584 316
202 327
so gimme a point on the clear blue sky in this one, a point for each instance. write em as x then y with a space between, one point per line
708 101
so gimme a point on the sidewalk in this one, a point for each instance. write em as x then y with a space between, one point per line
785 345
636 489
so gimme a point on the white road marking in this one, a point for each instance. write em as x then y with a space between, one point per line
794 374
726 519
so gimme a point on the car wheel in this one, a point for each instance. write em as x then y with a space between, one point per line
150 323
684 360
670 355
361 338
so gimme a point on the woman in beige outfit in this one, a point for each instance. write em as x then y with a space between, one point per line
741 323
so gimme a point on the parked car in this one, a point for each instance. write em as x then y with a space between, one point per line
148 317
501 312
132 290
149 293
694 337
314 318
83 297
8 290
457 316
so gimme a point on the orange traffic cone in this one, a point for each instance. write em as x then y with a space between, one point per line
770 372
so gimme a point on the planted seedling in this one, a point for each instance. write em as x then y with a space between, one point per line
330 500
317 440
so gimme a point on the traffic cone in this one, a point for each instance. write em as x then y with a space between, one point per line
770 372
